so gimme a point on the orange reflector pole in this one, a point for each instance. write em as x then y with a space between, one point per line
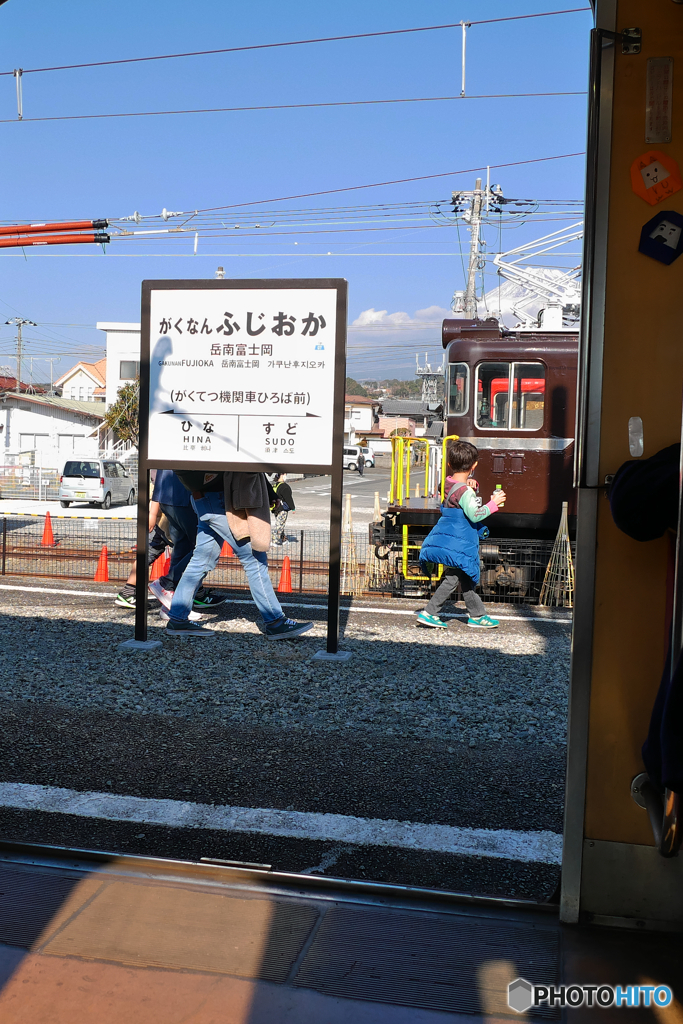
67 225
8 243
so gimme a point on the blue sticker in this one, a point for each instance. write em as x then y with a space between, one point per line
662 237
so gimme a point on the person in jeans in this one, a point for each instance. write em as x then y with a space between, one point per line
157 546
242 525
175 503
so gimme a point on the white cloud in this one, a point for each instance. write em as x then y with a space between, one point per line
386 343
382 318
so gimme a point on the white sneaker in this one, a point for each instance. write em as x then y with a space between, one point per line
164 616
163 596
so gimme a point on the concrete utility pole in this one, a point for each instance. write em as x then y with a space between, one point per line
19 322
470 302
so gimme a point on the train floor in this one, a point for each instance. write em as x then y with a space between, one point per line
105 939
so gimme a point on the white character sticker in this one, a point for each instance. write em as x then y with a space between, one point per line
654 173
667 234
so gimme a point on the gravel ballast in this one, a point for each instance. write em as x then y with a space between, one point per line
402 680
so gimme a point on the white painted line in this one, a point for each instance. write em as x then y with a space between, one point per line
362 609
500 844
369 610
54 590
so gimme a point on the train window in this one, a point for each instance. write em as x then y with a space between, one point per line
510 400
528 396
458 389
493 387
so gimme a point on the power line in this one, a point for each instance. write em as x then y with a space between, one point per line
294 42
356 188
289 106
395 181
240 255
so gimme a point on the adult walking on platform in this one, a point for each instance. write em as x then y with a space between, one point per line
176 504
283 508
232 507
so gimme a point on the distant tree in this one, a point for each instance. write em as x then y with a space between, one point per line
405 388
354 388
400 432
122 415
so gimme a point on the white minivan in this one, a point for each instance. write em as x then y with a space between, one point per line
96 481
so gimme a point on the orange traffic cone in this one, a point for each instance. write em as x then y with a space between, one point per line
102 571
48 540
157 569
226 550
285 584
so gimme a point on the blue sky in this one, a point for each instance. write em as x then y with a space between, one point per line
113 167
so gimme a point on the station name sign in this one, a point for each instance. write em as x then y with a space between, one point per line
243 374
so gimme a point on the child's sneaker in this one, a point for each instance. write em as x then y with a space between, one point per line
484 622
432 620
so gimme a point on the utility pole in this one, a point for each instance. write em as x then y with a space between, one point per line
471 206
19 322
475 222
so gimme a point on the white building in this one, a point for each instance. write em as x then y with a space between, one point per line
45 429
359 417
84 382
123 356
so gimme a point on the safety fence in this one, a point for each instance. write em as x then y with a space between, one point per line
75 548
29 482
41 483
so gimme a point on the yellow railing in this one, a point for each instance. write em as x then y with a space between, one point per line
402 460
444 467
406 546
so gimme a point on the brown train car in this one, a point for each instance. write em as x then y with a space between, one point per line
513 395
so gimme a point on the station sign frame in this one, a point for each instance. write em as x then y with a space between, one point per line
224 335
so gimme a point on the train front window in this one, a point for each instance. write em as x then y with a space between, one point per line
458 389
493 388
528 396
510 400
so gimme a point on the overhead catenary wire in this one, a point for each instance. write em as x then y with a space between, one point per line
394 181
293 42
374 184
287 106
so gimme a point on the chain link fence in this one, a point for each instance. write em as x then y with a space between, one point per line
511 570
33 482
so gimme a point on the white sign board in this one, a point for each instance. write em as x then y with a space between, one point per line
243 373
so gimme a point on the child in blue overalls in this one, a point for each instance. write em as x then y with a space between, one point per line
454 541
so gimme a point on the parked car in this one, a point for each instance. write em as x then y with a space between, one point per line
369 455
351 453
96 481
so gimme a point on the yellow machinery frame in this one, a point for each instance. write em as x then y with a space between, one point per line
401 451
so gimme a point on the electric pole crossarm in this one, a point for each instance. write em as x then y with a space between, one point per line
19 322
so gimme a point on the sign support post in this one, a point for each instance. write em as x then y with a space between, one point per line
140 641
243 376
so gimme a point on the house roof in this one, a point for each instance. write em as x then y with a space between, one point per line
9 384
404 407
91 409
435 429
98 372
360 400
